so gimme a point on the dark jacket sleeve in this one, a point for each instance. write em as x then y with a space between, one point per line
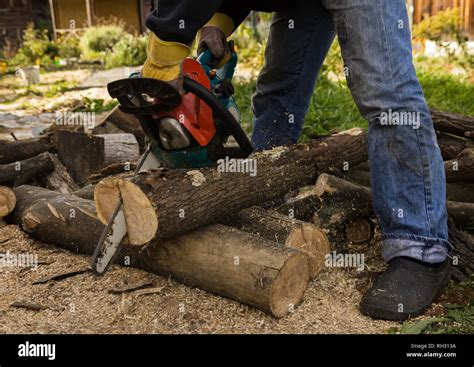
180 20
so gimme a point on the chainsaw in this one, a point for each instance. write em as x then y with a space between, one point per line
182 131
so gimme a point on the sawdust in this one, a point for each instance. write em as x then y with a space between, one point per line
84 303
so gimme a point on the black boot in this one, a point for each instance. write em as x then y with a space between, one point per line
405 289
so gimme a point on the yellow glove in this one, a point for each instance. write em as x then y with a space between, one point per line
164 60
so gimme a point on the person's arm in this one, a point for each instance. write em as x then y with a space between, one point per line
179 21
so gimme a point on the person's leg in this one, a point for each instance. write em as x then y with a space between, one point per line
407 170
298 43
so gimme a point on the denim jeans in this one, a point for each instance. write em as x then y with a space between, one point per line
407 171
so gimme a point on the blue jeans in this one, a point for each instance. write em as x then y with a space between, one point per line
407 171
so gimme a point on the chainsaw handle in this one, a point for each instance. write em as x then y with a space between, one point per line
245 146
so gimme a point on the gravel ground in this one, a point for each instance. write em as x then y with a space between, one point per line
84 303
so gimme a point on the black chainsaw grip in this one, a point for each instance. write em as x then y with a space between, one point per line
232 125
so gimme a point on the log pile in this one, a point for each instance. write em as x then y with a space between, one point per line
258 239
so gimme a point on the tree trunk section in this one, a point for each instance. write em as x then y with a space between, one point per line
451 145
85 154
342 203
453 123
14 151
7 201
461 168
22 172
59 180
120 148
127 123
219 259
291 233
163 204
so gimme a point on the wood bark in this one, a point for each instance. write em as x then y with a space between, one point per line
127 123
60 180
451 145
119 148
453 123
22 172
463 254
85 154
291 233
87 192
342 203
163 204
14 151
461 168
220 259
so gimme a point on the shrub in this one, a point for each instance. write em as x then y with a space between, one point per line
129 51
68 46
36 48
444 28
96 42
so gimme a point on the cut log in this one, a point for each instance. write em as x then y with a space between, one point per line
342 202
120 148
22 172
127 123
460 191
220 259
461 168
359 230
163 204
85 154
451 145
453 123
463 254
87 192
14 151
60 180
7 201
462 214
291 233
301 207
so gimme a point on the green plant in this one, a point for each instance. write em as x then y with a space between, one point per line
445 29
36 48
97 105
129 51
68 46
97 41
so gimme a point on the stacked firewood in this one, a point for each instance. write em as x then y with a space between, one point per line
258 239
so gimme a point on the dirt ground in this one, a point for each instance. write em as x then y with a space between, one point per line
84 303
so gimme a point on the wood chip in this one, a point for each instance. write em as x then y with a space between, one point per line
29 306
61 276
132 287
144 292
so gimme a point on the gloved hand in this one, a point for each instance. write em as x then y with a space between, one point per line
213 37
164 61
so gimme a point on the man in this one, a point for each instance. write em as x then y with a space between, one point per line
407 170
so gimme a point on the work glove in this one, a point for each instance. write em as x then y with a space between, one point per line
213 37
164 61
